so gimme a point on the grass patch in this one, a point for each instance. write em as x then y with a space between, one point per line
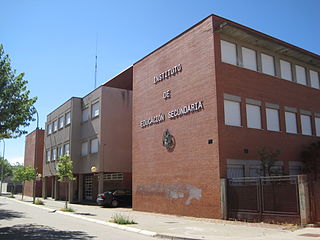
67 210
38 202
121 219
11 196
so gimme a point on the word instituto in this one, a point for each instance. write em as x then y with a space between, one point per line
179 112
167 74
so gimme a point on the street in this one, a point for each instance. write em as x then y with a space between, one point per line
22 221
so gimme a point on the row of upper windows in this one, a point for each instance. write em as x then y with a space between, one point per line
248 58
232 116
56 152
95 111
62 121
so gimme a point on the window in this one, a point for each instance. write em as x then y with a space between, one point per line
295 168
291 122
48 154
61 122
232 113
49 129
84 149
55 126
249 58
113 176
306 125
272 119
317 123
301 75
267 64
228 52
253 116
54 154
68 118
66 149
85 114
314 79
95 110
60 152
235 171
94 145
285 68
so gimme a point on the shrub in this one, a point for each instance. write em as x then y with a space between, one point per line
121 219
39 202
67 210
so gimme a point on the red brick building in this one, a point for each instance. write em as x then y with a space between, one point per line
33 157
206 102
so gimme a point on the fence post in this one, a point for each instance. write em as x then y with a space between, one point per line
303 199
223 198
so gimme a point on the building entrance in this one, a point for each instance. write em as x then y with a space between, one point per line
88 187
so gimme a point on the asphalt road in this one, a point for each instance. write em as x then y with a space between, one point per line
21 221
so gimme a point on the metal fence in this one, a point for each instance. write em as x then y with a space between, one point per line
267 199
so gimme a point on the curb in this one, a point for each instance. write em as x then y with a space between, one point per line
113 225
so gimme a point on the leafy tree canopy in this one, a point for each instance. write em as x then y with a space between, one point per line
64 169
16 107
7 168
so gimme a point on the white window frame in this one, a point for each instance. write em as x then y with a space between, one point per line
49 129
67 118
314 79
84 148
268 64
285 70
301 75
65 150
317 125
306 128
273 123
253 117
48 155
94 148
85 115
228 56
54 154
55 126
232 113
249 58
61 122
95 112
293 128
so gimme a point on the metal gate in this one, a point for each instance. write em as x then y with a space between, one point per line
266 199
88 187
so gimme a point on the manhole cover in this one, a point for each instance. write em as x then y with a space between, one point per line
310 235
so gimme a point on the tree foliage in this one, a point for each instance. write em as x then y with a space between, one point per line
311 160
7 168
22 174
65 173
16 107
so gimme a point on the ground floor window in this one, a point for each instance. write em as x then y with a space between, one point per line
88 187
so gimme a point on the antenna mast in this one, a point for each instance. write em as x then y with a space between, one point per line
96 64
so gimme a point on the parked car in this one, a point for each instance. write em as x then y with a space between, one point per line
115 198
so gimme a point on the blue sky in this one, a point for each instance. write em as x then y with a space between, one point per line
54 42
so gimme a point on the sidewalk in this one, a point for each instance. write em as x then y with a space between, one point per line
177 227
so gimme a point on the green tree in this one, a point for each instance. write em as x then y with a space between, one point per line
23 174
65 174
7 168
268 158
16 108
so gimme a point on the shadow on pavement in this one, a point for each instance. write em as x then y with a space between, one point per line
8 214
39 232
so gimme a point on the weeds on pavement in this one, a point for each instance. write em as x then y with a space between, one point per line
121 219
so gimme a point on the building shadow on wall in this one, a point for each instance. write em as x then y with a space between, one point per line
39 232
